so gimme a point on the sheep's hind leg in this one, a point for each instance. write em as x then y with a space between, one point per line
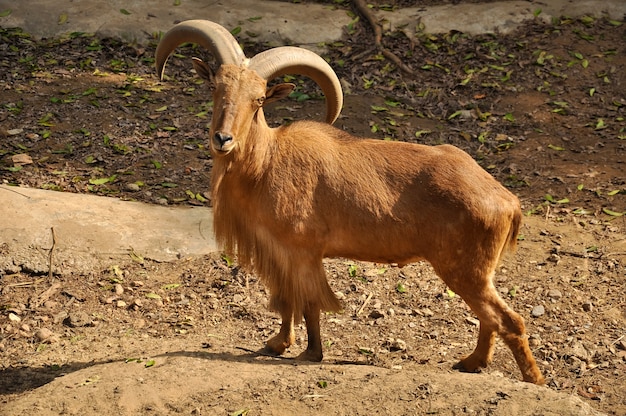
495 315
518 343
286 336
482 355
313 350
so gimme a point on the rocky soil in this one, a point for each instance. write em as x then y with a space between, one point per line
542 110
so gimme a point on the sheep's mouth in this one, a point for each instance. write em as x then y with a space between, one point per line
223 148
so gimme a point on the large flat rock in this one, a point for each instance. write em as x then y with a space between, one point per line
186 382
279 22
272 22
495 17
93 232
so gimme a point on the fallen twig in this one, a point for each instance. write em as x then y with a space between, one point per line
54 243
15 192
263 354
369 297
48 293
6 287
318 396
617 340
579 255
365 11
312 396
45 295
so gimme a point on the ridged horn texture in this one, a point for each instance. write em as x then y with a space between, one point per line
269 64
213 37
284 60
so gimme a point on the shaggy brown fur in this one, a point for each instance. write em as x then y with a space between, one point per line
285 198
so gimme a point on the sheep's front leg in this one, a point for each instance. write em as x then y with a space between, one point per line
286 336
313 350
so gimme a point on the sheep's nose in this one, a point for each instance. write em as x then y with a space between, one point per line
222 138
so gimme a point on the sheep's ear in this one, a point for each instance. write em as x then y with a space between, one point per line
278 92
202 69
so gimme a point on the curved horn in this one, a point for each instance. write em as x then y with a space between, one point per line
215 38
283 60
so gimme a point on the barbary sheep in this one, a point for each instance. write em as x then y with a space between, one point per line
285 198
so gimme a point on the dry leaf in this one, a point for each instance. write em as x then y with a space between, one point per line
21 159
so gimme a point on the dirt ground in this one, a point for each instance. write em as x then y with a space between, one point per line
542 110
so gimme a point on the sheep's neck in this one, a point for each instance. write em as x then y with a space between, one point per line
255 154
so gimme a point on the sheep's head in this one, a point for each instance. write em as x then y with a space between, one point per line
238 100
240 84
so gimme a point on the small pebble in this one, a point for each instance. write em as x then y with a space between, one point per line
183 300
371 273
397 345
579 351
50 304
555 294
554 258
538 311
60 317
472 321
376 314
78 319
534 340
119 289
45 335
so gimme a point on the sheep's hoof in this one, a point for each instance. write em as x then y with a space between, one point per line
535 379
534 376
470 365
309 355
276 346
267 351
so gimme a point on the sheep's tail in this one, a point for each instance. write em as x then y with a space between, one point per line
514 228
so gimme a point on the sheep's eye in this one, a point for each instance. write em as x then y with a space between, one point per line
260 101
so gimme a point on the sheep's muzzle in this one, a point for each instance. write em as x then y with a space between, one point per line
222 142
